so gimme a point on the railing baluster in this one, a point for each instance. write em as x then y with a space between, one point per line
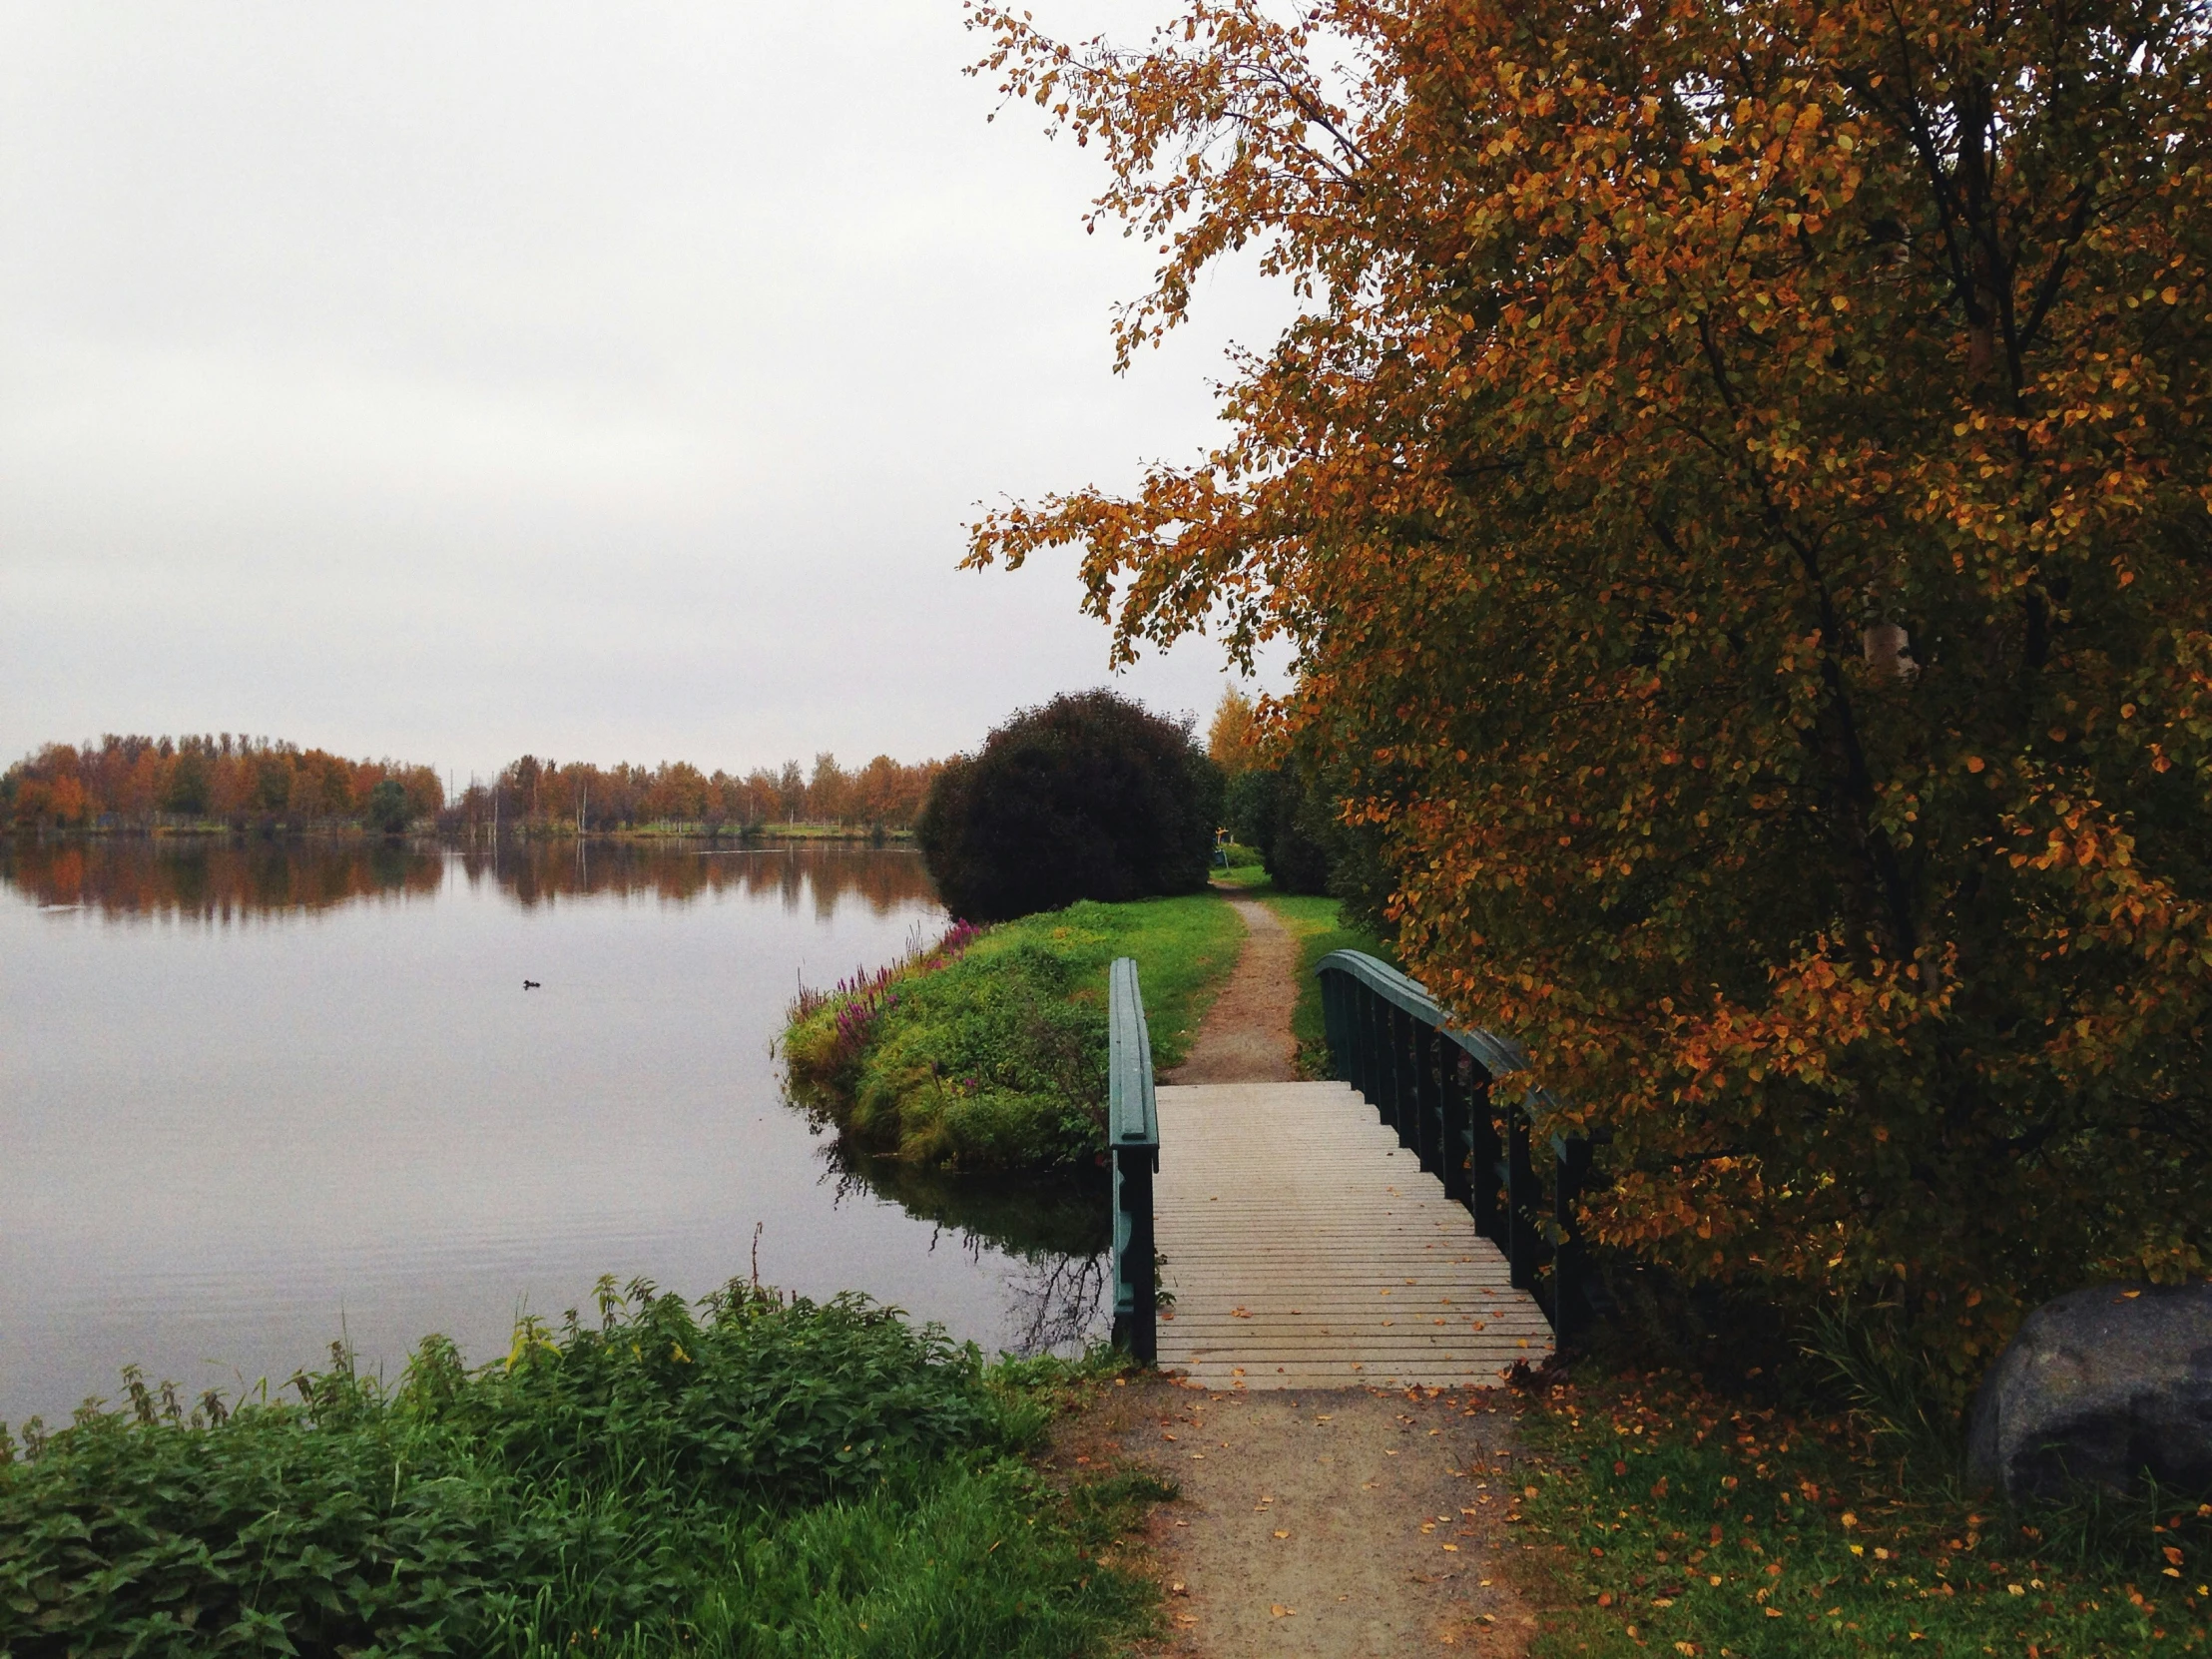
1430 1091
1520 1200
1482 1161
1452 1118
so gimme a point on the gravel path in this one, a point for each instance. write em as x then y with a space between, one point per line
1326 1524
1246 1035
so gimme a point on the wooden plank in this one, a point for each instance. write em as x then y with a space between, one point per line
1307 1248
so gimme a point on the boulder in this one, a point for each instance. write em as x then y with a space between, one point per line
2098 1387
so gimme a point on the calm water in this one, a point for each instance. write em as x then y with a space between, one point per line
257 1096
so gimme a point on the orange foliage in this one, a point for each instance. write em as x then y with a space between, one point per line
1738 492
137 781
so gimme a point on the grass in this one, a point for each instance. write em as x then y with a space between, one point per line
1684 1523
1243 869
1320 928
988 1050
775 1477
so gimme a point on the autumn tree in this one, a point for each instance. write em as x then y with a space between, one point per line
1233 736
1738 493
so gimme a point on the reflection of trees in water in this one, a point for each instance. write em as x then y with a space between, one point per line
219 881
1055 1226
224 879
541 873
1058 1305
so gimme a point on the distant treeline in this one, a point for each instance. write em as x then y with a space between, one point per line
545 796
140 783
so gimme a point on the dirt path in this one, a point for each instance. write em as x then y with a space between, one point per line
1315 1525
1326 1524
1246 1035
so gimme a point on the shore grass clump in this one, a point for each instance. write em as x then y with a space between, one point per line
993 1056
760 1476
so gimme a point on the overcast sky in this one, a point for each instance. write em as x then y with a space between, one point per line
449 380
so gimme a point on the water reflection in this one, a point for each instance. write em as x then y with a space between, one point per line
323 1104
1057 1227
224 879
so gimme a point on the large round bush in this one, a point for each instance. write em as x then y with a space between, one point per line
1089 796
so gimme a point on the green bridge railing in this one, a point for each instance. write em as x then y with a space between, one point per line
1435 1085
1133 1143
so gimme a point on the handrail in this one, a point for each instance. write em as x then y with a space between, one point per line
1496 1055
1133 1144
1391 1041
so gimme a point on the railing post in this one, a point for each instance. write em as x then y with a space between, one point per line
1400 1077
1429 1092
1363 1049
1571 1162
1520 1201
1137 1277
1333 1020
1451 1119
1483 1164
1133 1142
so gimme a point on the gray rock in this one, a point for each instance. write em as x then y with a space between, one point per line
2098 1387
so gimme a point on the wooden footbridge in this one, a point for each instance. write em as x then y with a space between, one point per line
1388 1229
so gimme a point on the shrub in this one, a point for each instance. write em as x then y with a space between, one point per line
1089 796
776 1477
1271 811
997 1062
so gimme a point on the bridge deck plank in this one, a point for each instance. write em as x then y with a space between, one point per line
1306 1249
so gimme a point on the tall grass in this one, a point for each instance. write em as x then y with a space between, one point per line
764 1476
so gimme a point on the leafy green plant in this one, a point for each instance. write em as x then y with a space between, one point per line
760 1476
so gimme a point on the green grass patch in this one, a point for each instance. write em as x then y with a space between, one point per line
989 1051
760 1477
1243 868
1320 930
1690 1525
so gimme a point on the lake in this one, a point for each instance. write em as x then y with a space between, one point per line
259 1096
